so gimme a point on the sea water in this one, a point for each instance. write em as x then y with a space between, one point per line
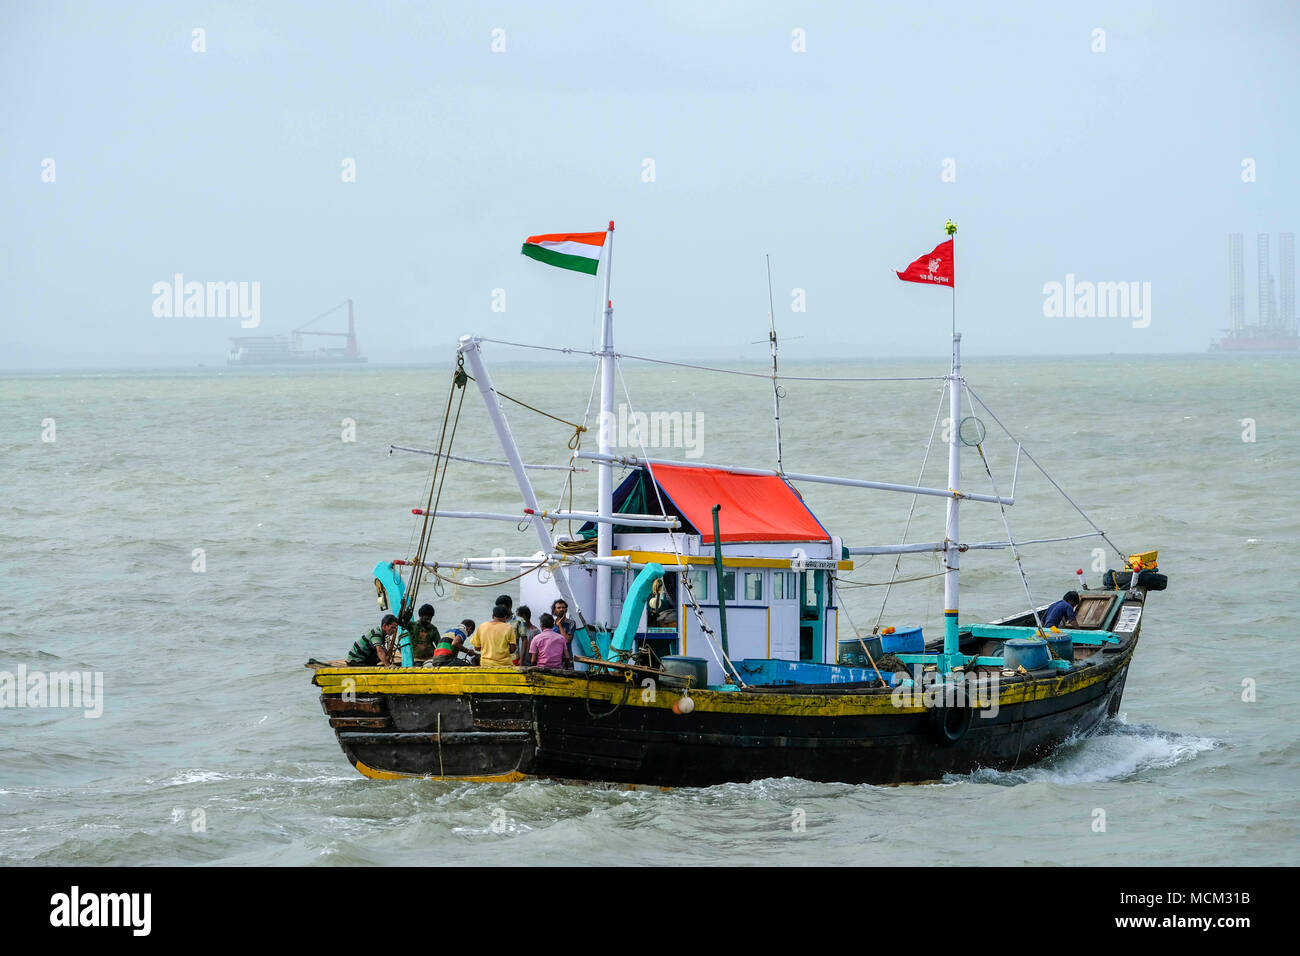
190 538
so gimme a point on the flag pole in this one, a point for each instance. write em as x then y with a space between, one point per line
952 559
605 475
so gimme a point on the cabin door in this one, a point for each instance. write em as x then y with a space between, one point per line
811 604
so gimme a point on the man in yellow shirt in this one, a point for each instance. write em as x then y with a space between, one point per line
496 640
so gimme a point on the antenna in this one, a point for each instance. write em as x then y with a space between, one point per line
776 387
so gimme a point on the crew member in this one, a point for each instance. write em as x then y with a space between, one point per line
1063 610
451 644
495 640
369 650
549 648
423 634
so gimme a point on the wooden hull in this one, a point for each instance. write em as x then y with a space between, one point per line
487 724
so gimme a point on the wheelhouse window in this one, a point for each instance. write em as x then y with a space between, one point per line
729 585
700 584
753 585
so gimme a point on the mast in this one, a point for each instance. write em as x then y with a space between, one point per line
951 651
605 486
951 538
776 387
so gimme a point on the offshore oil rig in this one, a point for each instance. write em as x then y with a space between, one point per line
289 349
1275 330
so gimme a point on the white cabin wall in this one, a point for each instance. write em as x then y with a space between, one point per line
540 595
746 636
830 636
686 543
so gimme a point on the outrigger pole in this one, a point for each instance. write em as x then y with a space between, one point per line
605 473
470 349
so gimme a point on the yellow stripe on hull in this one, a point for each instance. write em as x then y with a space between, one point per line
468 681
513 777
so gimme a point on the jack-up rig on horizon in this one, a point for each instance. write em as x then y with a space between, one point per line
289 350
1275 330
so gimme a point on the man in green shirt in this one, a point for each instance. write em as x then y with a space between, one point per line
423 634
369 649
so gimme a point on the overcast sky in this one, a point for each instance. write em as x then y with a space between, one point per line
229 165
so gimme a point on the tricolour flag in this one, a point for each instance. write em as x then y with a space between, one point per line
579 251
932 269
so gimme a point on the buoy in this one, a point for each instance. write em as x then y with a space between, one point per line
684 706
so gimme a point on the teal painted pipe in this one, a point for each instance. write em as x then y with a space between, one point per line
638 595
951 643
386 577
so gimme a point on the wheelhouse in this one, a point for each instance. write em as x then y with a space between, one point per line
778 565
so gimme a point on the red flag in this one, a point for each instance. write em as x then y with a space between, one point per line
932 269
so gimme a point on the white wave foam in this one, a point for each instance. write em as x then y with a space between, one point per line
1117 751
196 776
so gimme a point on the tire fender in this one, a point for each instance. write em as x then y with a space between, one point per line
949 724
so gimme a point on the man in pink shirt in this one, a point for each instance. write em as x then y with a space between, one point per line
549 648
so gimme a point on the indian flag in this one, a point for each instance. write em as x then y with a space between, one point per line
579 251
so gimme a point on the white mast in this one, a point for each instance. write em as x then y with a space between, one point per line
605 487
951 649
951 536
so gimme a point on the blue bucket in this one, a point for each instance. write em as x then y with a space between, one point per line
850 651
906 640
1031 653
1061 645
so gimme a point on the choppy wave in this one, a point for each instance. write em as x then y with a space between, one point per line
1116 751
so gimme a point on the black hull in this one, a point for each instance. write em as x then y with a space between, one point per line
602 735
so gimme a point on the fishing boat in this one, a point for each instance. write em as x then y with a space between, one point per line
710 643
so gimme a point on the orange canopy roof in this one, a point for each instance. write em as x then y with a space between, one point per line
754 507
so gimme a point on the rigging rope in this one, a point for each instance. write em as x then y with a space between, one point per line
684 570
575 448
439 477
971 392
480 461
861 642
889 583
724 371
456 582
910 511
1006 523
579 429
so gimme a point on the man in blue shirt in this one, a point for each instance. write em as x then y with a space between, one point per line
1062 611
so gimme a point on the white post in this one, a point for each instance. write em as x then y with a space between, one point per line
605 488
469 347
950 597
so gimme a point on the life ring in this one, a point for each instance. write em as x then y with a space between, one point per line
950 724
